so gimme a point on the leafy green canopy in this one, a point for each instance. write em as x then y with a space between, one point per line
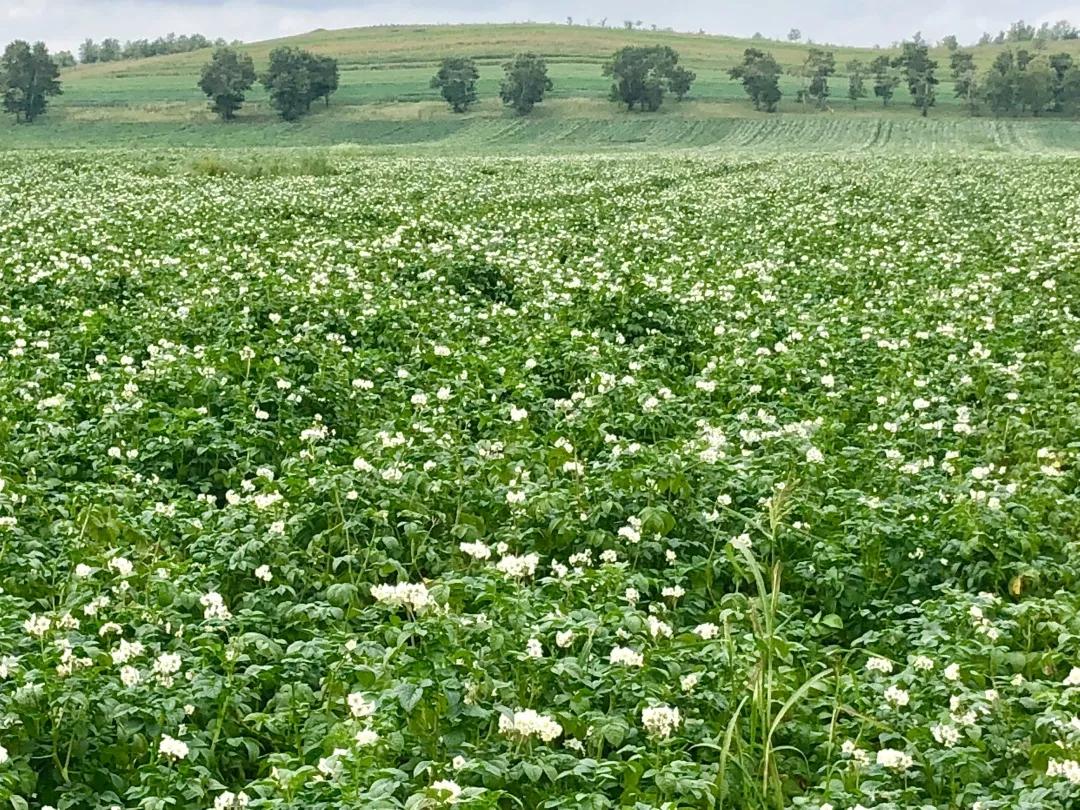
819 66
886 79
919 71
760 77
28 76
856 81
225 79
456 80
525 83
642 75
296 78
1020 82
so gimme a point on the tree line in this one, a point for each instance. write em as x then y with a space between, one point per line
641 76
1016 83
296 78
1019 83
1021 31
112 50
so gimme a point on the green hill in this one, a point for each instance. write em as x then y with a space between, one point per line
385 98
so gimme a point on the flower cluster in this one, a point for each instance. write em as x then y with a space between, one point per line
414 596
526 723
660 721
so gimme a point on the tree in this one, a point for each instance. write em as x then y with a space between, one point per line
919 71
288 81
456 80
1001 85
1061 64
794 35
1071 90
819 66
525 82
110 50
638 75
679 81
136 49
324 77
1036 87
88 52
1063 29
296 78
885 79
64 59
642 75
1020 31
28 76
225 79
856 71
1004 63
950 42
760 77
965 82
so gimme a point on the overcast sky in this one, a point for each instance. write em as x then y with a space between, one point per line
65 23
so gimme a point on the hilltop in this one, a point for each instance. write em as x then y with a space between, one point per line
379 47
385 97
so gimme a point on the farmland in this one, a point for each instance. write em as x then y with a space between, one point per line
385 101
665 480
588 129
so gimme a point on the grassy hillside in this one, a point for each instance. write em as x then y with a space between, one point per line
385 97
382 47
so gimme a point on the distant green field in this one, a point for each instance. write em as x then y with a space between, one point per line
385 99
555 134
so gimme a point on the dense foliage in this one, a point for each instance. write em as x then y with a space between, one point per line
580 483
886 79
1016 83
1019 82
525 83
642 76
28 77
819 66
226 79
920 73
759 74
1021 31
456 82
111 49
295 78
856 71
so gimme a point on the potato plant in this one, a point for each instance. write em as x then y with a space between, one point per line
586 482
